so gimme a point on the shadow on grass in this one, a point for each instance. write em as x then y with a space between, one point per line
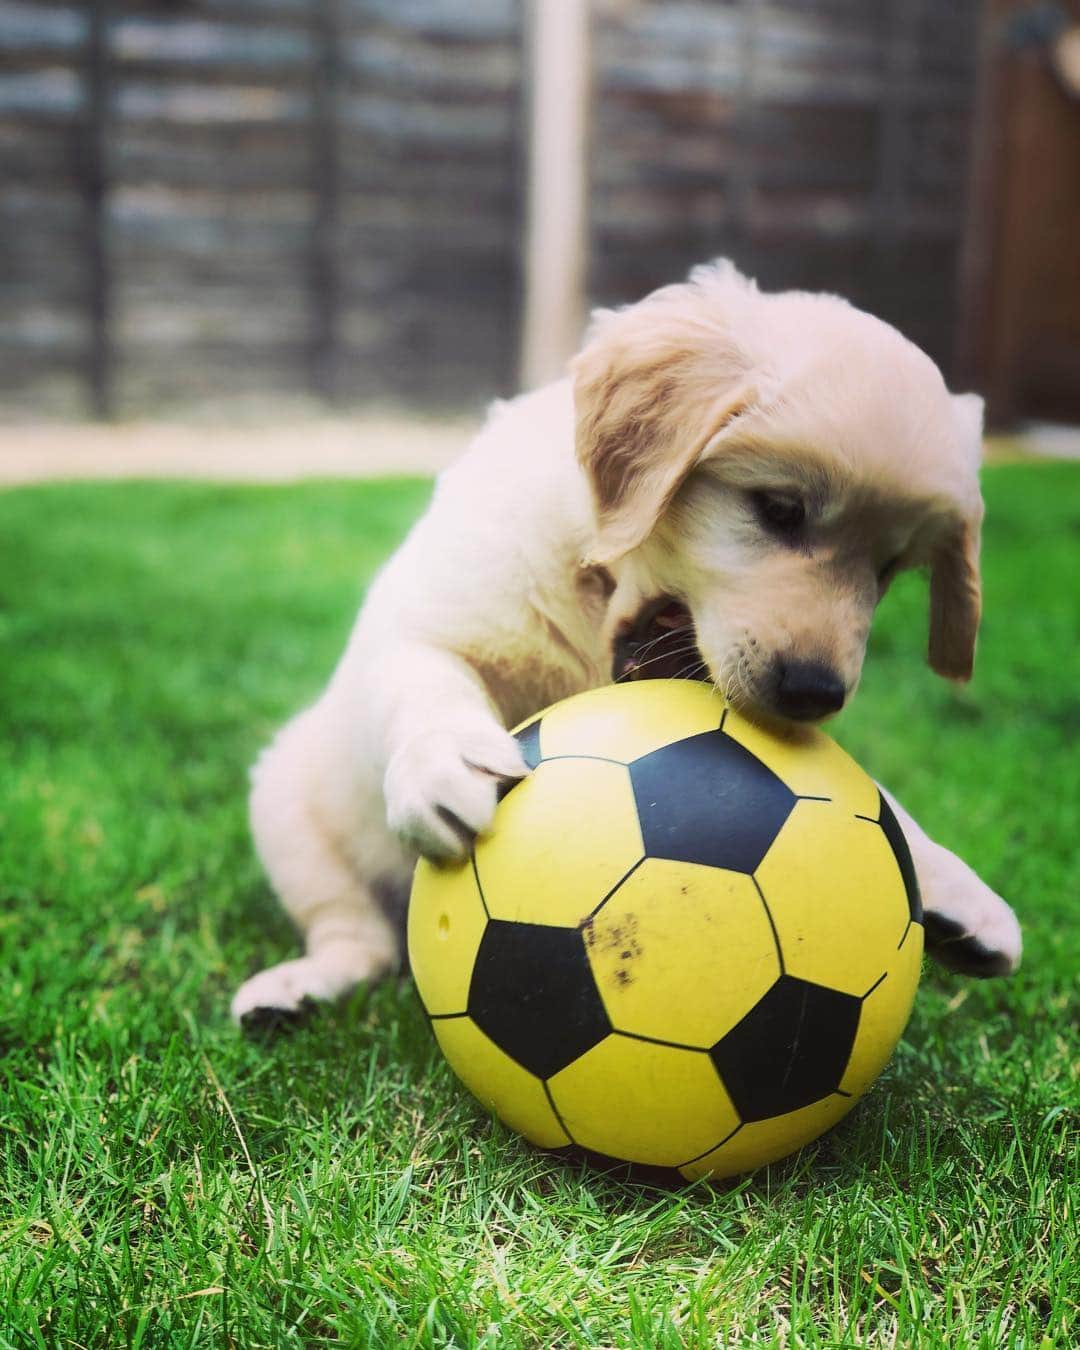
927 1126
880 1145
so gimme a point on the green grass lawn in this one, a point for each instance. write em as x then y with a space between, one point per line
164 1181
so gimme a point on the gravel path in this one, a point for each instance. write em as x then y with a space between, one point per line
357 448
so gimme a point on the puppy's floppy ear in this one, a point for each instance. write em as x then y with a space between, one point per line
654 386
955 601
955 582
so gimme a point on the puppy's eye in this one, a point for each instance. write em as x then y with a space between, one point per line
781 512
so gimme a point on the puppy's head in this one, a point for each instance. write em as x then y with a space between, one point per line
770 462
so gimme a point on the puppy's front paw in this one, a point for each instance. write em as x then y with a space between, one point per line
284 993
969 928
441 789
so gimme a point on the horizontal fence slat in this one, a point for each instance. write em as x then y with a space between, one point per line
763 130
25 28
46 94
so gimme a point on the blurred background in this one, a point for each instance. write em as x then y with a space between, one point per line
281 209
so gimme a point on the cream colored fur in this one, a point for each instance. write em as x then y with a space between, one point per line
575 506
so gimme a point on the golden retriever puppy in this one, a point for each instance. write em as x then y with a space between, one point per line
724 487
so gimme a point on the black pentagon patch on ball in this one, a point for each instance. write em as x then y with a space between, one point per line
528 739
791 1049
533 993
893 833
707 799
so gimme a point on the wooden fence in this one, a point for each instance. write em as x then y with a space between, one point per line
207 198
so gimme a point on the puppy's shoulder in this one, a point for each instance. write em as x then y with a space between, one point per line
521 437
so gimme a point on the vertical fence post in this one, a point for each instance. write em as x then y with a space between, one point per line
890 189
556 230
743 165
987 155
324 270
94 161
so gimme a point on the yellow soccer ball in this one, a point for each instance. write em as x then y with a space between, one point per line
688 942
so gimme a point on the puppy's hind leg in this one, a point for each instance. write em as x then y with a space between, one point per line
348 938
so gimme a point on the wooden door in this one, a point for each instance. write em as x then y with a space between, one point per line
1020 336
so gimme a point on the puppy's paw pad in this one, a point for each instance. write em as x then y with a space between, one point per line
282 991
981 954
263 1021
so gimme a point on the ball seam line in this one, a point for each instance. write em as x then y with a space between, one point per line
600 759
655 1040
556 1113
479 886
878 981
712 1147
594 912
772 924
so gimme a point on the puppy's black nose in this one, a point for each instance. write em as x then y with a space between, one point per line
807 690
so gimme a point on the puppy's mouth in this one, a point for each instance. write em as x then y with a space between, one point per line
659 644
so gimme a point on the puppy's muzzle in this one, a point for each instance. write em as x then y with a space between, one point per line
805 691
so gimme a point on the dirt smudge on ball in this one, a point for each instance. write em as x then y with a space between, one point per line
616 941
